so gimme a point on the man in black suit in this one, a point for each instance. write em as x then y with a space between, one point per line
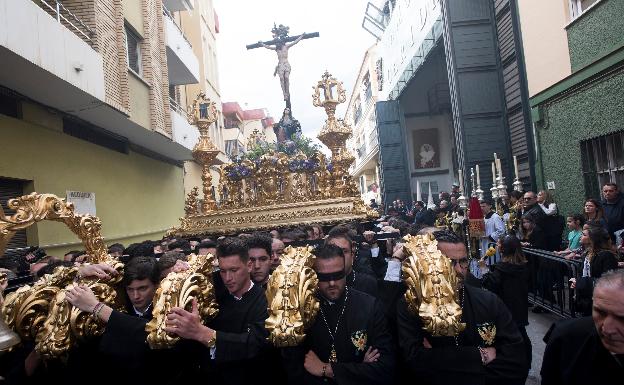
589 350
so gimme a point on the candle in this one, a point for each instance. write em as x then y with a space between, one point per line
461 181
499 167
516 166
495 158
493 174
478 177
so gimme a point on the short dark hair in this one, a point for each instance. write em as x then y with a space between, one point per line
614 185
51 266
169 259
487 201
139 268
182 244
295 234
328 252
116 248
259 241
206 245
340 231
447 236
577 217
516 194
233 246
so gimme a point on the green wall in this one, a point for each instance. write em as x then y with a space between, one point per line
596 33
134 194
593 110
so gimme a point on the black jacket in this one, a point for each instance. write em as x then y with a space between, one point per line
614 214
511 283
362 325
446 363
575 355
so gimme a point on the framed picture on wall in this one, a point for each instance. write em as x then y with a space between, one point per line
426 148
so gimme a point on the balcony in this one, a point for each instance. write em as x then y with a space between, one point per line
45 58
38 41
179 5
183 132
181 60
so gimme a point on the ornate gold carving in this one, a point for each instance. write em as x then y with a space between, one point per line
33 208
40 312
221 222
179 290
275 180
190 205
290 294
66 325
431 286
203 113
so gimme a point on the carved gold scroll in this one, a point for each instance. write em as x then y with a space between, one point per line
431 286
40 312
290 294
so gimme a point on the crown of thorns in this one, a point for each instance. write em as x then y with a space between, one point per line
280 31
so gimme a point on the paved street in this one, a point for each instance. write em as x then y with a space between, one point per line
538 325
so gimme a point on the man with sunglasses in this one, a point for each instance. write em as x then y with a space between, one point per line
490 350
349 342
531 207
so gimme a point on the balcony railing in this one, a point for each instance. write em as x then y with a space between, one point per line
170 16
178 108
66 17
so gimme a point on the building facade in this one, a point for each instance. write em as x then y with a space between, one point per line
199 24
361 115
85 106
242 126
574 53
452 93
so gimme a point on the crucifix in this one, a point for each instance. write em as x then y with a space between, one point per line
280 44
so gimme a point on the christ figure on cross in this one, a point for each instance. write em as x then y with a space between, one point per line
280 44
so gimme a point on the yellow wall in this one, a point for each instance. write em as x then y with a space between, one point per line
134 194
545 42
133 14
139 101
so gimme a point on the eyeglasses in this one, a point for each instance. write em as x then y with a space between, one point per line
463 262
529 198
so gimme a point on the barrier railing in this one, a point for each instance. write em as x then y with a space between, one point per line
549 285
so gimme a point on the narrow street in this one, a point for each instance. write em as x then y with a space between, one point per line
538 326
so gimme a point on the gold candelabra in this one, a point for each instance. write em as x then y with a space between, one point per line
203 113
335 132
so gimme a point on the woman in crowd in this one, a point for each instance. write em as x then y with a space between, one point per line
553 224
509 279
594 213
599 258
531 234
547 203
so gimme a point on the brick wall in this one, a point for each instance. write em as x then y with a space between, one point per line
154 61
111 44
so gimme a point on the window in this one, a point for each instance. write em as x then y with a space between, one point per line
133 50
603 161
357 110
9 189
577 7
366 84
